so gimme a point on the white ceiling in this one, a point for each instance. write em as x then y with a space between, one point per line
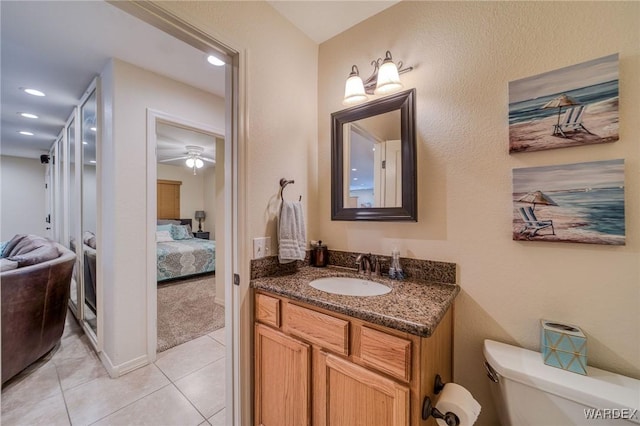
58 47
322 20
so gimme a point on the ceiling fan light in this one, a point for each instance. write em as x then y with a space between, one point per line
190 162
199 163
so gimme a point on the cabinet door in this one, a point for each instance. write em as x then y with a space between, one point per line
282 371
355 396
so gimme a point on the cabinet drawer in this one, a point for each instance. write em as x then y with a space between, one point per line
321 329
268 310
387 353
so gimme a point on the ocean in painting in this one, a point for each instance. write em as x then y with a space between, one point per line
531 109
602 209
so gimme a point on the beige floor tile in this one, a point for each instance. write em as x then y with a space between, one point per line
218 419
188 357
100 397
50 412
74 346
77 371
205 388
218 335
166 407
35 384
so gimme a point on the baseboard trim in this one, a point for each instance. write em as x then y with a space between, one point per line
124 368
219 301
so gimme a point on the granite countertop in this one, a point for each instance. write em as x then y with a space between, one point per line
412 306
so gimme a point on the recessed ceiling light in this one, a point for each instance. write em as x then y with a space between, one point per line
354 170
215 61
92 161
34 92
23 132
93 129
28 115
355 178
85 143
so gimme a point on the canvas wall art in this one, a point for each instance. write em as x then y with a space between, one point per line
571 106
578 203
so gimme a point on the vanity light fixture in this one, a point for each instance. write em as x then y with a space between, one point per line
384 79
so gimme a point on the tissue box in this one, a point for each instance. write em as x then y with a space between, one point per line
563 346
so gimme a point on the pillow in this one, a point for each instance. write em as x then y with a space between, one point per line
7 265
23 243
89 239
38 255
180 232
163 237
166 227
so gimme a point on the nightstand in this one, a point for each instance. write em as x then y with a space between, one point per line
203 235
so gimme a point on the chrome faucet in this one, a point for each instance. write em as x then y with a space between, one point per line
367 264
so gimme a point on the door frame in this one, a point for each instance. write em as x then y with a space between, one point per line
235 188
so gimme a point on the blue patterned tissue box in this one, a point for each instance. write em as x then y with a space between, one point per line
563 346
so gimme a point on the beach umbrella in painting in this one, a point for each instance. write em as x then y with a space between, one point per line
537 197
559 102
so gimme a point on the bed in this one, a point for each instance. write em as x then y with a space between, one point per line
179 253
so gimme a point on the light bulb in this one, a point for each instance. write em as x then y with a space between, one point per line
388 77
354 88
190 162
199 163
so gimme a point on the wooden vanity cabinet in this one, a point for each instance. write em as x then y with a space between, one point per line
319 368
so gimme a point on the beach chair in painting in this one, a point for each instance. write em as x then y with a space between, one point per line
532 224
572 122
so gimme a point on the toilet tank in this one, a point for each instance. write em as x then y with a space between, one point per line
528 392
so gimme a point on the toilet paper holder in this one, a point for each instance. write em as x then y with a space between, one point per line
451 419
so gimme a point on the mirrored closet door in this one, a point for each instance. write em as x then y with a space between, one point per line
89 132
76 182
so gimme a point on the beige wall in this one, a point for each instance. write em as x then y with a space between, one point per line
127 92
22 197
464 54
193 191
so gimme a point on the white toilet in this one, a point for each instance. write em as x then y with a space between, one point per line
529 393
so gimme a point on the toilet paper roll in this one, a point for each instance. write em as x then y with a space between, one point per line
456 399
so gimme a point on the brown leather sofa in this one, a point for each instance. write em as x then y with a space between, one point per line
34 301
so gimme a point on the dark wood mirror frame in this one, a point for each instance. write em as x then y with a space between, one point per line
405 102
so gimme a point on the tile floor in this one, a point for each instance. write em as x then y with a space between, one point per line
185 386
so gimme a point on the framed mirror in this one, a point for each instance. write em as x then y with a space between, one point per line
373 161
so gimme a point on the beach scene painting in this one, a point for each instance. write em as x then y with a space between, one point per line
577 203
572 106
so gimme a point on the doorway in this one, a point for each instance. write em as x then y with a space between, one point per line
226 154
190 214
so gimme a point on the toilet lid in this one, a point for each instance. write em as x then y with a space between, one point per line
598 389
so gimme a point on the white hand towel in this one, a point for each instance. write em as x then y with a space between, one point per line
292 235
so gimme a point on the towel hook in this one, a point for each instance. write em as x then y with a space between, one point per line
283 183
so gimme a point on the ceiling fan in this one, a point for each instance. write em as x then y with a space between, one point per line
193 157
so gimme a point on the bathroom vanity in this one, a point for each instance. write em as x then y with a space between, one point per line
329 359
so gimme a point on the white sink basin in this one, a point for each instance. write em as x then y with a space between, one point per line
350 286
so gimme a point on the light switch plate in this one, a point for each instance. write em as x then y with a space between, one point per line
261 247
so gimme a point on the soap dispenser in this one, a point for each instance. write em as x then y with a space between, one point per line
395 270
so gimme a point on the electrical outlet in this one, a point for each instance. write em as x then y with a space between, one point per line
261 247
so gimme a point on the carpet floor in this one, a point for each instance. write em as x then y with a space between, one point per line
186 310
